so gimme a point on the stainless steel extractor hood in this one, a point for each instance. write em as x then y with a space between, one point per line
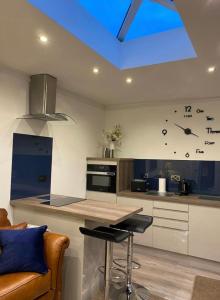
42 99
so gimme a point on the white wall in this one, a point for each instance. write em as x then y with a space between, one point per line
142 128
72 142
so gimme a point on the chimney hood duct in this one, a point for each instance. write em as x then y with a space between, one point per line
42 99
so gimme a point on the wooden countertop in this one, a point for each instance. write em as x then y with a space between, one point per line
98 211
117 159
190 199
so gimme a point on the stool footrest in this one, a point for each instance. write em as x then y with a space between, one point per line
135 264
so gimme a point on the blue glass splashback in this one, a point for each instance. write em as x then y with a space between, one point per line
31 165
203 176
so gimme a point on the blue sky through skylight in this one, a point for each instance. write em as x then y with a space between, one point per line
109 13
151 18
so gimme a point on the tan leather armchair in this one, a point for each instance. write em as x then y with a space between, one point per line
34 286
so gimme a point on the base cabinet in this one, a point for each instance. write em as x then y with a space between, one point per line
187 229
145 239
170 239
204 232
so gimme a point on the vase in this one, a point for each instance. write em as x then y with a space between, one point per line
112 149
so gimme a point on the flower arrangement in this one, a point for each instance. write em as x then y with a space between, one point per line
114 135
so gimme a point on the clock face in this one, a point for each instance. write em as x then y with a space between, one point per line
186 123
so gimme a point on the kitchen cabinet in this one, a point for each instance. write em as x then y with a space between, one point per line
170 239
170 226
146 238
204 232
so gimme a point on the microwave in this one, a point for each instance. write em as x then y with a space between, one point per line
101 178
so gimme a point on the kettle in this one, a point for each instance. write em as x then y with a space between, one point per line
184 187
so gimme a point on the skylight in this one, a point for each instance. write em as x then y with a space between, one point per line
109 13
126 33
131 19
153 17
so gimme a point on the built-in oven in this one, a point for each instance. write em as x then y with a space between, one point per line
101 178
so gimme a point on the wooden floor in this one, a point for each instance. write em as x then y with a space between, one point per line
169 275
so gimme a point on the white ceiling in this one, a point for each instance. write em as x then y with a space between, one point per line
71 61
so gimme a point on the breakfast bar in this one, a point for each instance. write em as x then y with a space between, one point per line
82 279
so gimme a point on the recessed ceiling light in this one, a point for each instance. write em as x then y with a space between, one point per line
129 80
95 70
211 69
43 39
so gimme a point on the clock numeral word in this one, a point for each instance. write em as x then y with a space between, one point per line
209 143
199 111
210 118
187 155
187 116
211 131
164 131
188 109
198 151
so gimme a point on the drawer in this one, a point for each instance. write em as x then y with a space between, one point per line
173 224
145 239
171 214
147 205
171 206
170 239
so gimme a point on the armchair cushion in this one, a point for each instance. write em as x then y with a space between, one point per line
22 250
25 286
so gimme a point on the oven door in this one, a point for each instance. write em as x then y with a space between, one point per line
101 181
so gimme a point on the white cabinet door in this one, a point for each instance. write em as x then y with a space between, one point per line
170 239
146 238
204 232
170 227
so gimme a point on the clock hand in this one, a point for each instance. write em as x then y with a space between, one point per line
194 134
180 127
187 131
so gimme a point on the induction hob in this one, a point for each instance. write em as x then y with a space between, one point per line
59 200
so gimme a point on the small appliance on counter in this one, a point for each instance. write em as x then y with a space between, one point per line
139 185
184 187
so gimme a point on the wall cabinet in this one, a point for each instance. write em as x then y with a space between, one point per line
146 238
204 232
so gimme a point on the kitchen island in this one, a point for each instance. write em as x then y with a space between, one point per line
82 280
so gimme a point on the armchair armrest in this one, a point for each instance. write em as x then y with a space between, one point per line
4 218
54 247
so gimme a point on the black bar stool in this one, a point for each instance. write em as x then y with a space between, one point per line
135 224
110 235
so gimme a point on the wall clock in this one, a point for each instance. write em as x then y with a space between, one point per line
193 117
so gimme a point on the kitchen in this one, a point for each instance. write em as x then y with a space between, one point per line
169 116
